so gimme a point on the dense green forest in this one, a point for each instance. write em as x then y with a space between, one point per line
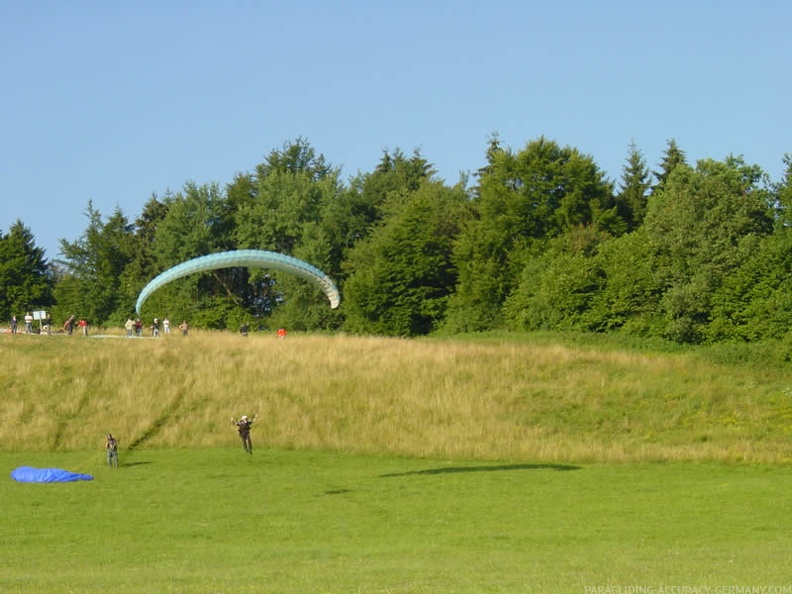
536 239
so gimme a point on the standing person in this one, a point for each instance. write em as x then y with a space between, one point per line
184 327
155 328
68 325
281 333
14 325
243 426
83 325
29 323
130 327
166 326
138 327
111 446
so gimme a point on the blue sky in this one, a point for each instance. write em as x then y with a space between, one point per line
112 101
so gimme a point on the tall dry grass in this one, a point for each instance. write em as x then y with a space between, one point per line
449 399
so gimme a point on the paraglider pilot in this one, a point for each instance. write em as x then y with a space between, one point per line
111 445
243 426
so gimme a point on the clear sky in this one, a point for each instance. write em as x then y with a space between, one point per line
112 101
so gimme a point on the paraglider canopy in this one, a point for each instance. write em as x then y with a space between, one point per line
245 258
28 474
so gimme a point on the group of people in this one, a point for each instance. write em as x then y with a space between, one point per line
135 327
45 321
71 322
28 324
243 425
46 325
81 324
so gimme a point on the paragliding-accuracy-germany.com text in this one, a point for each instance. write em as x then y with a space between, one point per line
670 589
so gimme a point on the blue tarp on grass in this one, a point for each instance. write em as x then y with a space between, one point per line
28 474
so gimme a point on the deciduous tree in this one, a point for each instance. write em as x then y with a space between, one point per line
703 224
523 199
402 274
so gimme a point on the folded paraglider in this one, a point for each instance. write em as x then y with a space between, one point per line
28 474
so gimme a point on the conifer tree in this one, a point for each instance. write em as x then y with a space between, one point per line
634 189
672 158
25 277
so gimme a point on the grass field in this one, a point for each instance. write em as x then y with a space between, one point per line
217 520
484 464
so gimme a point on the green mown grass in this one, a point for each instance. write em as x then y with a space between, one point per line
216 520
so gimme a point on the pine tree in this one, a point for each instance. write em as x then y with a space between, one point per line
672 158
634 190
25 276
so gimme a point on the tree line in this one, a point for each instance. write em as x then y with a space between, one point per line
536 239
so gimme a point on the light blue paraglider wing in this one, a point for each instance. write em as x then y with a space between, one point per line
245 258
28 474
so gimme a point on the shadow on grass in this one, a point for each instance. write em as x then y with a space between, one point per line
337 492
129 464
496 468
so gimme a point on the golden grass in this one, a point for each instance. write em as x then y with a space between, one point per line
425 398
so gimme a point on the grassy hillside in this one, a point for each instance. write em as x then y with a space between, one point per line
524 398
